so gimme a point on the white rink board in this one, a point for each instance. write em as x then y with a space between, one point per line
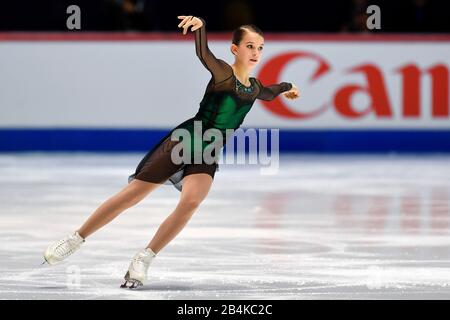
158 84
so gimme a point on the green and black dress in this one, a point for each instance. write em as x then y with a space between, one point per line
224 106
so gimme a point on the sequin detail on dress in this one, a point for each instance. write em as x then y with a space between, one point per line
240 87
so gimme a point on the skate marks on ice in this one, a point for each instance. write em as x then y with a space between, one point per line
345 227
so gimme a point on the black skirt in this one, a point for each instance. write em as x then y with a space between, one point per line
158 167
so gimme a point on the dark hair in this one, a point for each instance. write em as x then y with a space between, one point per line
238 33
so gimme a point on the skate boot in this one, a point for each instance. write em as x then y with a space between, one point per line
63 248
137 271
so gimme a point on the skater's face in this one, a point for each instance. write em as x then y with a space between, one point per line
248 51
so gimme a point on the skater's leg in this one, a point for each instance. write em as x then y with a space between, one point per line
129 196
195 188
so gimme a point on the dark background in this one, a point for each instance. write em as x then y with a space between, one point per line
398 16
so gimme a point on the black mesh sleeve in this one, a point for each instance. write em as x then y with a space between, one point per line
219 69
271 92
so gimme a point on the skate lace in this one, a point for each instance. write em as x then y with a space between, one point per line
139 259
64 248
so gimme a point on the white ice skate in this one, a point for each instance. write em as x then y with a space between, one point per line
137 271
63 248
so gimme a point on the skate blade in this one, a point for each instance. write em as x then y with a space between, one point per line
45 262
131 284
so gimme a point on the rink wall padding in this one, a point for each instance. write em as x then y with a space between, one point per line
80 91
330 141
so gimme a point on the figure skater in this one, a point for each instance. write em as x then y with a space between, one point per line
229 96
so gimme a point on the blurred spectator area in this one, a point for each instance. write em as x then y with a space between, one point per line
271 15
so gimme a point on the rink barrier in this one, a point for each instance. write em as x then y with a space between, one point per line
329 139
323 141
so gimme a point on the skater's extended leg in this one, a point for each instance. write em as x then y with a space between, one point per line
129 196
195 188
134 192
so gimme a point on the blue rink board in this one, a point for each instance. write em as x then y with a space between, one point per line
322 141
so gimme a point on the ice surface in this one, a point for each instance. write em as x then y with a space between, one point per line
324 227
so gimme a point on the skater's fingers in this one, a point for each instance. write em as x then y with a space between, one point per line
188 25
187 18
197 23
198 26
181 23
295 94
289 95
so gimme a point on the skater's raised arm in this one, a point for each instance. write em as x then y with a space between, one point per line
219 69
271 92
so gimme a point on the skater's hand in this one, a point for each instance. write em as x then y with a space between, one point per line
189 21
293 93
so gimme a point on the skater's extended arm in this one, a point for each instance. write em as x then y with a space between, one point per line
219 69
271 92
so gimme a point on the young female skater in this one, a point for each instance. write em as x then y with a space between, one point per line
228 98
